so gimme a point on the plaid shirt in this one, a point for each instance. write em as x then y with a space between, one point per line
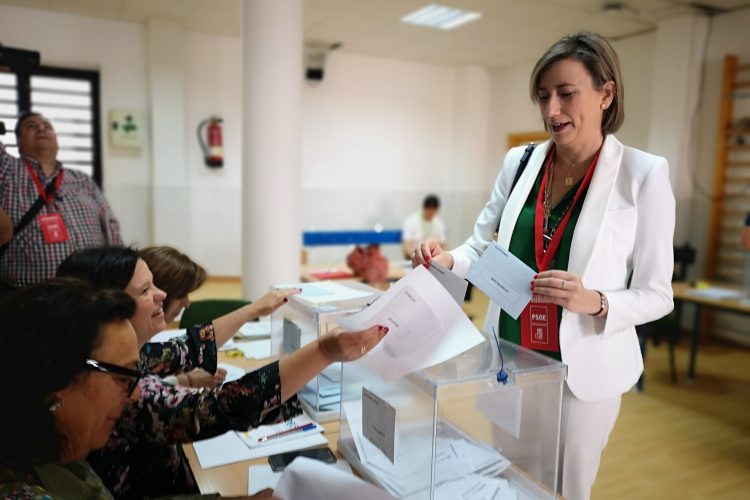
87 216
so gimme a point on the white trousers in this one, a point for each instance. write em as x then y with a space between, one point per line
584 432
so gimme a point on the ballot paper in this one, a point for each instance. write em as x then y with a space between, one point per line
256 349
325 291
229 448
504 278
314 480
324 392
426 326
233 372
457 457
455 285
476 487
261 477
255 329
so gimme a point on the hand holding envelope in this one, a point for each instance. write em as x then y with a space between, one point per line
504 278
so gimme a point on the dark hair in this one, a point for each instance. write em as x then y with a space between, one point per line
21 118
431 201
103 267
48 331
174 272
602 64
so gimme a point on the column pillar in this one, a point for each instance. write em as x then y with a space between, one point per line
272 48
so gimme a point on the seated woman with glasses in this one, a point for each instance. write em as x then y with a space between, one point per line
142 459
67 375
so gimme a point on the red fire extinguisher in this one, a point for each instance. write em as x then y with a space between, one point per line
213 152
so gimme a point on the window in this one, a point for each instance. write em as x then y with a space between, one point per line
70 99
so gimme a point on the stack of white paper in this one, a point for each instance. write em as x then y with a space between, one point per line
455 460
476 487
255 329
257 349
326 391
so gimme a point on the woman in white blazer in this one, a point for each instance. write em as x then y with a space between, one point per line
595 218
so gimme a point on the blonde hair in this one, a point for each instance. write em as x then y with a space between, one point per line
602 64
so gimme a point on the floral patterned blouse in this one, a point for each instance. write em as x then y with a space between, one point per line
143 458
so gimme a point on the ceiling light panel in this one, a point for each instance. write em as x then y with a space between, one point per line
440 17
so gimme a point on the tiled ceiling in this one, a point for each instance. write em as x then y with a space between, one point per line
508 31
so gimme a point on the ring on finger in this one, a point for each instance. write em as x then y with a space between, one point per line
363 349
563 284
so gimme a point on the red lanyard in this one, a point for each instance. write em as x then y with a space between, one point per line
40 188
544 259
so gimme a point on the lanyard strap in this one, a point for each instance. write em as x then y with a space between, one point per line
45 194
544 259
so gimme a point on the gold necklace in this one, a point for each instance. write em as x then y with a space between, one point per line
569 178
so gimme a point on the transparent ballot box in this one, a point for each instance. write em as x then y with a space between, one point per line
452 430
306 317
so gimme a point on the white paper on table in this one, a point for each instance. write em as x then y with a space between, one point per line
426 326
314 480
166 335
230 448
233 372
715 293
325 291
504 278
261 477
258 349
228 345
221 450
255 329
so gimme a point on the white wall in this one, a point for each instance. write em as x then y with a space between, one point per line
118 51
378 134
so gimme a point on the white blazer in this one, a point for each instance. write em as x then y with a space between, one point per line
626 227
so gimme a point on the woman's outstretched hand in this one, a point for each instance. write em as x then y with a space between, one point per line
350 346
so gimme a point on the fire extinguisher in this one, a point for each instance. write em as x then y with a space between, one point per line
213 152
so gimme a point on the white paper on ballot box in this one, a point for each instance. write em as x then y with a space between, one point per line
426 326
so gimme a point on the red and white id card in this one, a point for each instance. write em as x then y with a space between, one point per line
53 227
539 326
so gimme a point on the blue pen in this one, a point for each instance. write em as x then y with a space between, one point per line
300 428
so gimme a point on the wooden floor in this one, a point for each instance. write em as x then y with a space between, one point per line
681 441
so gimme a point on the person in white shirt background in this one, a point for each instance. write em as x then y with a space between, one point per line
424 225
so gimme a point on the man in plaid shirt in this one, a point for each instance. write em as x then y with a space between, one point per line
74 216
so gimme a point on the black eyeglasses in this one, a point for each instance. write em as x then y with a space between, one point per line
100 366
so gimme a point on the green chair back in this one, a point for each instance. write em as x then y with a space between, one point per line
205 311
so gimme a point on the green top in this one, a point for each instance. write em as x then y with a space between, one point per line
522 246
72 481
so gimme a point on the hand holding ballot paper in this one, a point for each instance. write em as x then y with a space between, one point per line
426 326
